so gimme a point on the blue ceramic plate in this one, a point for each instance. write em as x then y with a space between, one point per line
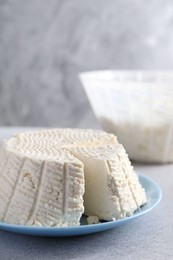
154 195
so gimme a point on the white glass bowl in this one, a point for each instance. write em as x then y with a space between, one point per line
137 106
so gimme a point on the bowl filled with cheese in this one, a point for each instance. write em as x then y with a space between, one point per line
137 106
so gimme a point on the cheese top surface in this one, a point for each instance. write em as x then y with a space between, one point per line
55 144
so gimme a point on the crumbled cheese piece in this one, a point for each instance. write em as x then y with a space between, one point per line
92 220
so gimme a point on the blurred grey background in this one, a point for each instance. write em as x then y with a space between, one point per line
45 44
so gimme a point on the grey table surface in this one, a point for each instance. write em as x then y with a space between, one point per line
148 237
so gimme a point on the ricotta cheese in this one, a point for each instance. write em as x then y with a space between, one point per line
51 177
143 142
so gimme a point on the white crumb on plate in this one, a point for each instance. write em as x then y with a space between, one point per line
92 220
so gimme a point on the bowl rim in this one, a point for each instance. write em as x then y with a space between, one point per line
128 75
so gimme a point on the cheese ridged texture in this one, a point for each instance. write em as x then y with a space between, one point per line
49 177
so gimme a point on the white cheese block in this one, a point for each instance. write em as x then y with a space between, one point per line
50 177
